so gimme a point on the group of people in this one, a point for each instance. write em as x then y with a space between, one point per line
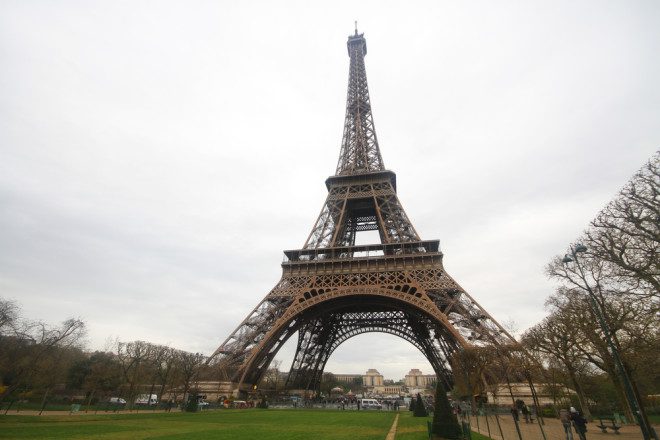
568 417
573 416
520 407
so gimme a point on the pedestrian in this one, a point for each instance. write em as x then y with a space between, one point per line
580 424
565 418
525 412
514 413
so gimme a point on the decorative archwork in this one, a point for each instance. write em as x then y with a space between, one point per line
315 347
356 299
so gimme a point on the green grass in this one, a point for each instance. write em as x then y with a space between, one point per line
414 428
223 424
411 428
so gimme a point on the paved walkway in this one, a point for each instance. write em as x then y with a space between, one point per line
553 429
392 434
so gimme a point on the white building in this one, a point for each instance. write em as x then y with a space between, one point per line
416 379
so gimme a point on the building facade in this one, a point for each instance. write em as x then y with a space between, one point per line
372 378
416 379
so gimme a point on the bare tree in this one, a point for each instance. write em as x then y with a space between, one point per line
37 352
626 234
272 376
165 367
554 338
188 366
132 356
9 313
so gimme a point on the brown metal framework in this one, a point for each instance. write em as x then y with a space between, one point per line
333 289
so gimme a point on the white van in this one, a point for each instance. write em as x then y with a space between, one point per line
146 399
370 404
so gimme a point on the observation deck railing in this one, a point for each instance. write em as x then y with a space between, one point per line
363 251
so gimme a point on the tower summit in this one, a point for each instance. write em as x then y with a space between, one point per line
333 289
359 147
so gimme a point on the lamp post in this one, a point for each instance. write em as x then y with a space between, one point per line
635 405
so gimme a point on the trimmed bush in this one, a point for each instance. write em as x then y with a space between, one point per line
445 425
420 408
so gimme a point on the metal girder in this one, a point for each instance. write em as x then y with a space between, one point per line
323 335
359 148
348 210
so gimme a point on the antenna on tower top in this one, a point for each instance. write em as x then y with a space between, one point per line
355 27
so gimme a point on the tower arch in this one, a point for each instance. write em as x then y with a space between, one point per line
323 323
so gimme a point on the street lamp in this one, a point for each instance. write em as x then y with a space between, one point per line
647 430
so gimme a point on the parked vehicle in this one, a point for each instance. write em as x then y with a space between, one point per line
117 401
239 404
370 404
146 399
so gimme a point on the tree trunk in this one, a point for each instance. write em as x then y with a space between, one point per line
621 395
43 401
89 400
151 391
580 394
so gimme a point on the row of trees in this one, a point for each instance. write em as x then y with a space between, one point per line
34 355
617 265
37 359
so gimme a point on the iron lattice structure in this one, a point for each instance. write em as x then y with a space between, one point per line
333 289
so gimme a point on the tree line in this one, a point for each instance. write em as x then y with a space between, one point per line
39 362
613 267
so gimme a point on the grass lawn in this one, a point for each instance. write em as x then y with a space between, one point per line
222 424
414 428
411 428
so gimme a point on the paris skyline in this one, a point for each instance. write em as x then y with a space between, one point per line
157 162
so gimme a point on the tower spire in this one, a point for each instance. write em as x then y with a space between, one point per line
359 148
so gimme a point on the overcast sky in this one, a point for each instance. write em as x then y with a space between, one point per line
157 157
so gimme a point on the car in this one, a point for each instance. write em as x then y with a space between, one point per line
370 404
117 401
239 404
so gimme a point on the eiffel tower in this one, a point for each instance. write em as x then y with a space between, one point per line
333 289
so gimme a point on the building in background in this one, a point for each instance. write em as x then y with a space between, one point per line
416 379
372 378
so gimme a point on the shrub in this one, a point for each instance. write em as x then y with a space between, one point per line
191 405
445 424
420 409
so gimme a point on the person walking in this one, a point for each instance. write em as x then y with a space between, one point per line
514 413
565 418
580 424
525 412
